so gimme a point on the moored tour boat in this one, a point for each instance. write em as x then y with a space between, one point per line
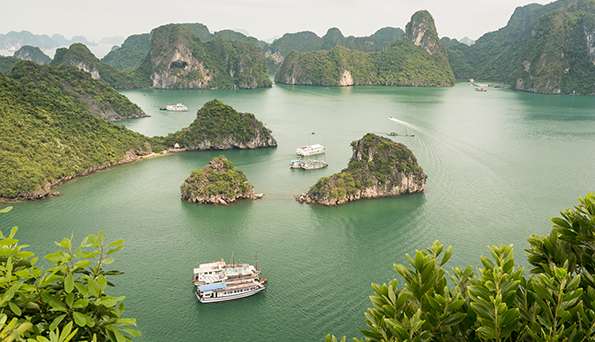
310 150
307 164
178 107
218 281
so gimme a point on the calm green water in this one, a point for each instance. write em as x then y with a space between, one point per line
499 165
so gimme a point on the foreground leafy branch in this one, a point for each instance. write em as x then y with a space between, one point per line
499 302
67 301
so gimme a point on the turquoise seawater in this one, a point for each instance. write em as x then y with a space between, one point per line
500 164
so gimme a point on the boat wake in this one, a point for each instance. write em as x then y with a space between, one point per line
405 123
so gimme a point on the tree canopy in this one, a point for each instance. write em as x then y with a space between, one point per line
499 301
66 301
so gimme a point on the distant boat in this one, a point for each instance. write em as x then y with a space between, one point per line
310 150
481 88
396 134
307 164
178 107
218 281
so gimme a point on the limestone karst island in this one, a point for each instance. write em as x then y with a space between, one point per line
297 171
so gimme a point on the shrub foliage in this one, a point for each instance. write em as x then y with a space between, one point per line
66 301
499 302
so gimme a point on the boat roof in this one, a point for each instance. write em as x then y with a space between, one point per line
211 287
312 146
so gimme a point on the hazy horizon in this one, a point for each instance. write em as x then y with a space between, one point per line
113 18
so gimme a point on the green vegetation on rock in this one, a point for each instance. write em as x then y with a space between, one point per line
217 183
78 55
32 54
65 298
546 49
499 301
131 54
459 58
6 64
181 58
416 60
308 41
379 167
402 64
218 126
49 134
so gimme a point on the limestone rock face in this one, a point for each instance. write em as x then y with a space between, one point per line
379 167
188 56
217 183
421 30
547 49
559 56
346 79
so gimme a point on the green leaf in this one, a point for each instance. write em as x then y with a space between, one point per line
14 308
68 283
79 318
56 322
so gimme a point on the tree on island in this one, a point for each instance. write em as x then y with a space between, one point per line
556 302
66 301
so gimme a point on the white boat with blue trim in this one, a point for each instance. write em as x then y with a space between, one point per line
218 281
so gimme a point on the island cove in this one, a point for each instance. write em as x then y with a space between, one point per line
74 140
52 131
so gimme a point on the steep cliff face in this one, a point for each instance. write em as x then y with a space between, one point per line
417 60
79 56
379 167
559 54
543 48
217 183
178 58
421 30
32 54
220 127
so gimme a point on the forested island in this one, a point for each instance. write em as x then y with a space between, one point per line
379 167
220 127
416 59
220 182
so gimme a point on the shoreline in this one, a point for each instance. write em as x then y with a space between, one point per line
47 190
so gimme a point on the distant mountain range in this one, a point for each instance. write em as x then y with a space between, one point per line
547 49
12 41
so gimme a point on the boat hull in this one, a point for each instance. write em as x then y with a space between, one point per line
230 297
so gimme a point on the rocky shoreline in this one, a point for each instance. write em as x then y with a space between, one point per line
217 183
47 190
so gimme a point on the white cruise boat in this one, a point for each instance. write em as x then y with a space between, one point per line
178 107
310 150
307 164
218 281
